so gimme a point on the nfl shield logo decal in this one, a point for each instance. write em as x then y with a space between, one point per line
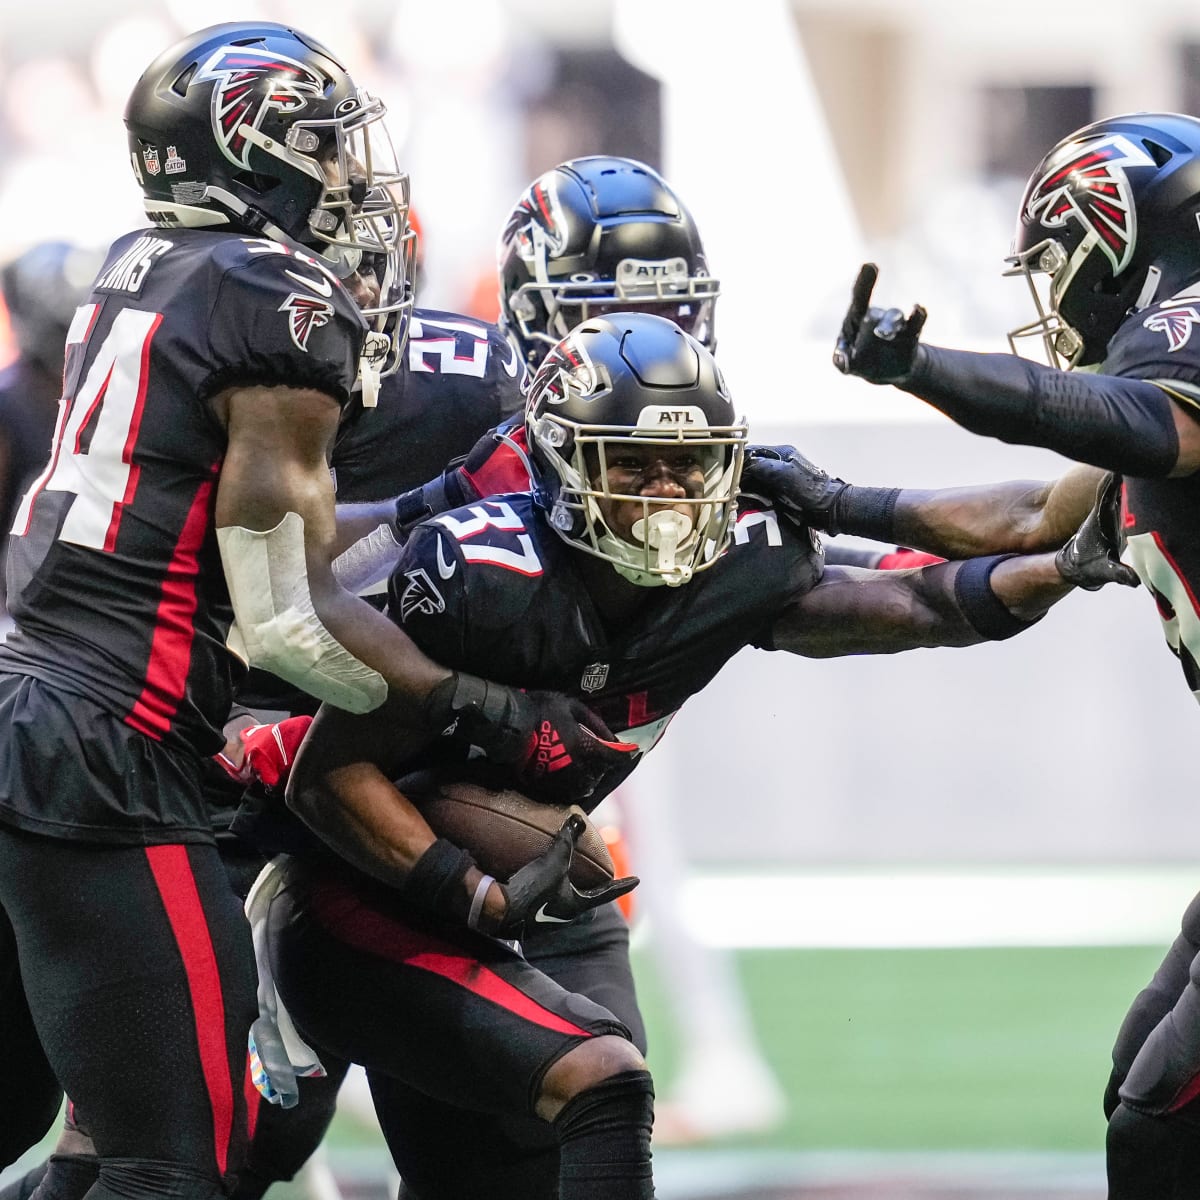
595 677
150 158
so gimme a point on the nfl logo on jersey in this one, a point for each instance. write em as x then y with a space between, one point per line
595 677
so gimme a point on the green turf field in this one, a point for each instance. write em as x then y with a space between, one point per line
932 1049
983 1049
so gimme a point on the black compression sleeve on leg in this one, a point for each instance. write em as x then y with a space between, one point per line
1124 425
604 1140
983 610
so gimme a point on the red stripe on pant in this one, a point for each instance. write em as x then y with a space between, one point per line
253 1099
177 887
375 933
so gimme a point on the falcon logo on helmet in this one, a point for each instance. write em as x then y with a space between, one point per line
569 372
248 84
536 222
1091 187
307 314
1177 322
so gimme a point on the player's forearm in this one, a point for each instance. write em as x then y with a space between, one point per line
1028 585
989 598
1020 516
1124 425
367 821
886 612
361 816
357 521
370 637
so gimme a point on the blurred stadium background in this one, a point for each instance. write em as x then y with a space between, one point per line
925 888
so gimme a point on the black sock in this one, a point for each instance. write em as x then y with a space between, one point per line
604 1140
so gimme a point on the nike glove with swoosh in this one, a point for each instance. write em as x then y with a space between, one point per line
541 891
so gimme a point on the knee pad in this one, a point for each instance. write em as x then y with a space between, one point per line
154 1179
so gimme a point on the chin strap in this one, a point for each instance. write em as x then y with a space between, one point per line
1149 289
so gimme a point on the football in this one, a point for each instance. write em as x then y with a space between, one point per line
504 829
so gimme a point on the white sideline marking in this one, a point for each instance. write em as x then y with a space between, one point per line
906 908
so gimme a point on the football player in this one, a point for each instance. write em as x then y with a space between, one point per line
1109 225
623 577
457 379
206 376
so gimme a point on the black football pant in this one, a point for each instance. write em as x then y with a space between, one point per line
281 1140
29 1093
511 1156
1153 1096
136 965
455 1030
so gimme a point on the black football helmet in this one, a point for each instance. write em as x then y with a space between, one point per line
634 379
257 127
42 287
600 234
1110 215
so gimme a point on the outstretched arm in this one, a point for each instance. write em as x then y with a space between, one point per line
853 611
1141 427
1021 516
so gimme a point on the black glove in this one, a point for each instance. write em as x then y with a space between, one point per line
876 344
451 489
1092 556
559 749
798 487
541 891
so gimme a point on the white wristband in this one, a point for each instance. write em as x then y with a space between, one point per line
481 890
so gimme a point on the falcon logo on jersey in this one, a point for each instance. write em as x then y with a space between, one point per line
420 596
1089 186
537 221
248 84
307 314
1177 321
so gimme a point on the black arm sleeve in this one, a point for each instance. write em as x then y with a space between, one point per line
1124 425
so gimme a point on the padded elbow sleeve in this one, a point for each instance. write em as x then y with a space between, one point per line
1125 425
279 626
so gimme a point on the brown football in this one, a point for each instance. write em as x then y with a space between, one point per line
504 829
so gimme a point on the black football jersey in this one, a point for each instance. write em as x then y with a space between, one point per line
459 379
115 580
492 590
1161 344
